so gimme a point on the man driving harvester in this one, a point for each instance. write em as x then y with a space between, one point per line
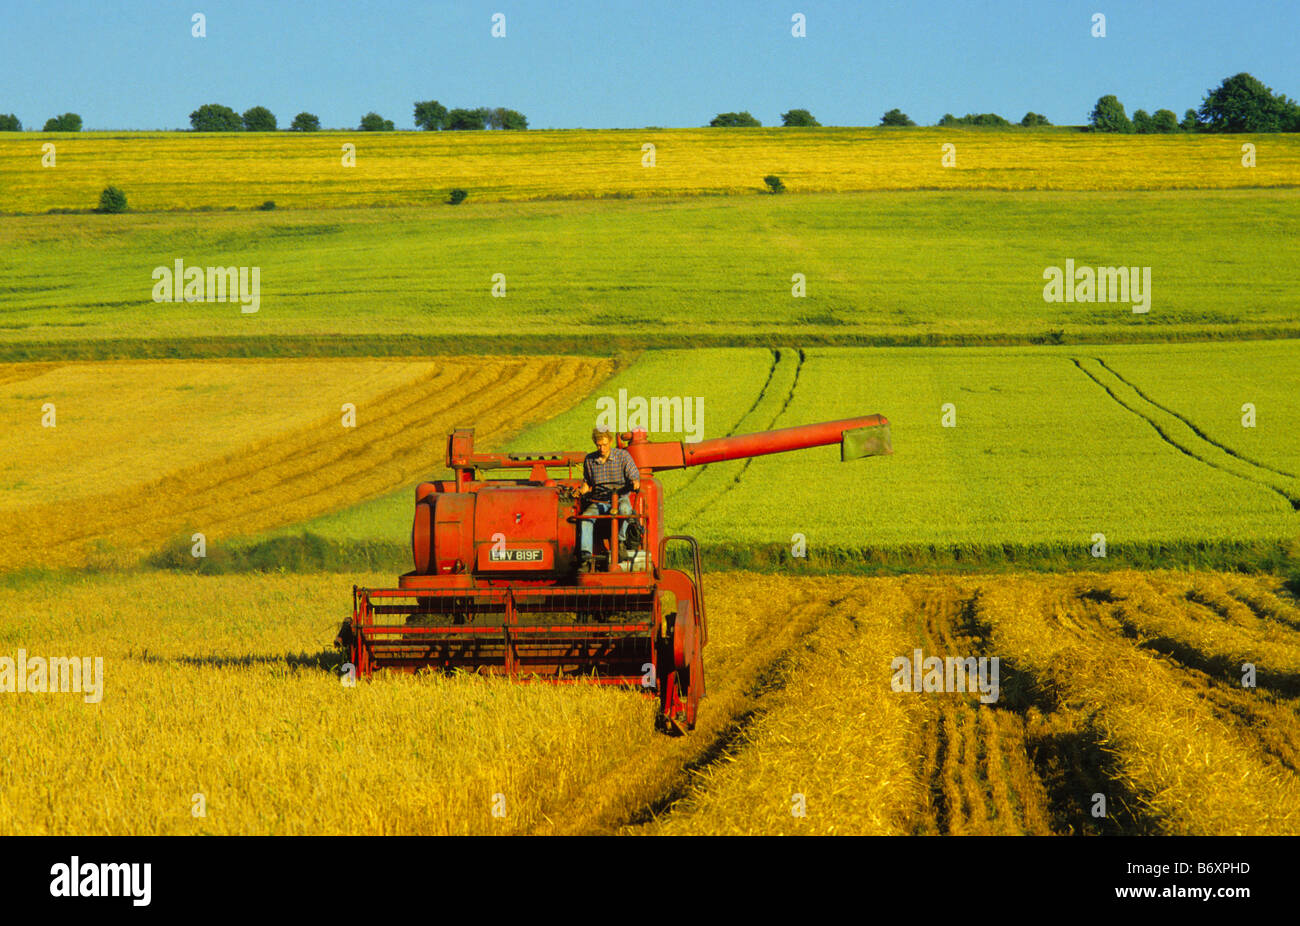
605 471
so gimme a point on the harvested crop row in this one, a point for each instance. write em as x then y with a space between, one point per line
223 687
1200 622
830 749
1246 668
87 429
1082 715
834 749
292 476
754 624
981 780
1187 764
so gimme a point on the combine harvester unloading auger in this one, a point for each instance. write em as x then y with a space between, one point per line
497 587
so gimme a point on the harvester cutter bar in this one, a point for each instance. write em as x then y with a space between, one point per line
503 646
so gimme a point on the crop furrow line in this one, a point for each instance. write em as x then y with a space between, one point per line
759 676
750 460
303 457
231 468
1065 754
773 677
695 474
376 455
338 471
1292 500
1191 424
301 448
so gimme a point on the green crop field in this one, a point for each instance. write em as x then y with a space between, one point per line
1047 447
1043 450
879 268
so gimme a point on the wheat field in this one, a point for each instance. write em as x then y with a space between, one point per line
141 452
220 695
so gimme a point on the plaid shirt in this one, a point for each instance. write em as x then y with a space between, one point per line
614 475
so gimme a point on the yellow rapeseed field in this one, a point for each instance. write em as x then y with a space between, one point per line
142 450
180 170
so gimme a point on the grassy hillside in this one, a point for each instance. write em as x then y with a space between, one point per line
897 268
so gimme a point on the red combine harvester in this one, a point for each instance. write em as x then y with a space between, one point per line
497 586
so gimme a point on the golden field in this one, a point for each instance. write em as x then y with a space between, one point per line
223 686
183 171
1124 684
142 451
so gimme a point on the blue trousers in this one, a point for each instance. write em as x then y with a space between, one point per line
585 527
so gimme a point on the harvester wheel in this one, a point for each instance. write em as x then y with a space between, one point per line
695 687
687 679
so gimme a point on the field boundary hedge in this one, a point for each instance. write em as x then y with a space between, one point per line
379 345
312 553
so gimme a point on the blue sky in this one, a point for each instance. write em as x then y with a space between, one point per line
617 64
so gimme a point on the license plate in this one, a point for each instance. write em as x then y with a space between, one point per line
517 555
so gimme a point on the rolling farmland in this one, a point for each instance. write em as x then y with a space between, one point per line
599 277
1014 478
1024 430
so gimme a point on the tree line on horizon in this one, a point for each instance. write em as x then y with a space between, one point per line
1240 103
216 117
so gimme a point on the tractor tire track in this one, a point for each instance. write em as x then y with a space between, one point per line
1191 424
981 778
1188 447
695 473
744 468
